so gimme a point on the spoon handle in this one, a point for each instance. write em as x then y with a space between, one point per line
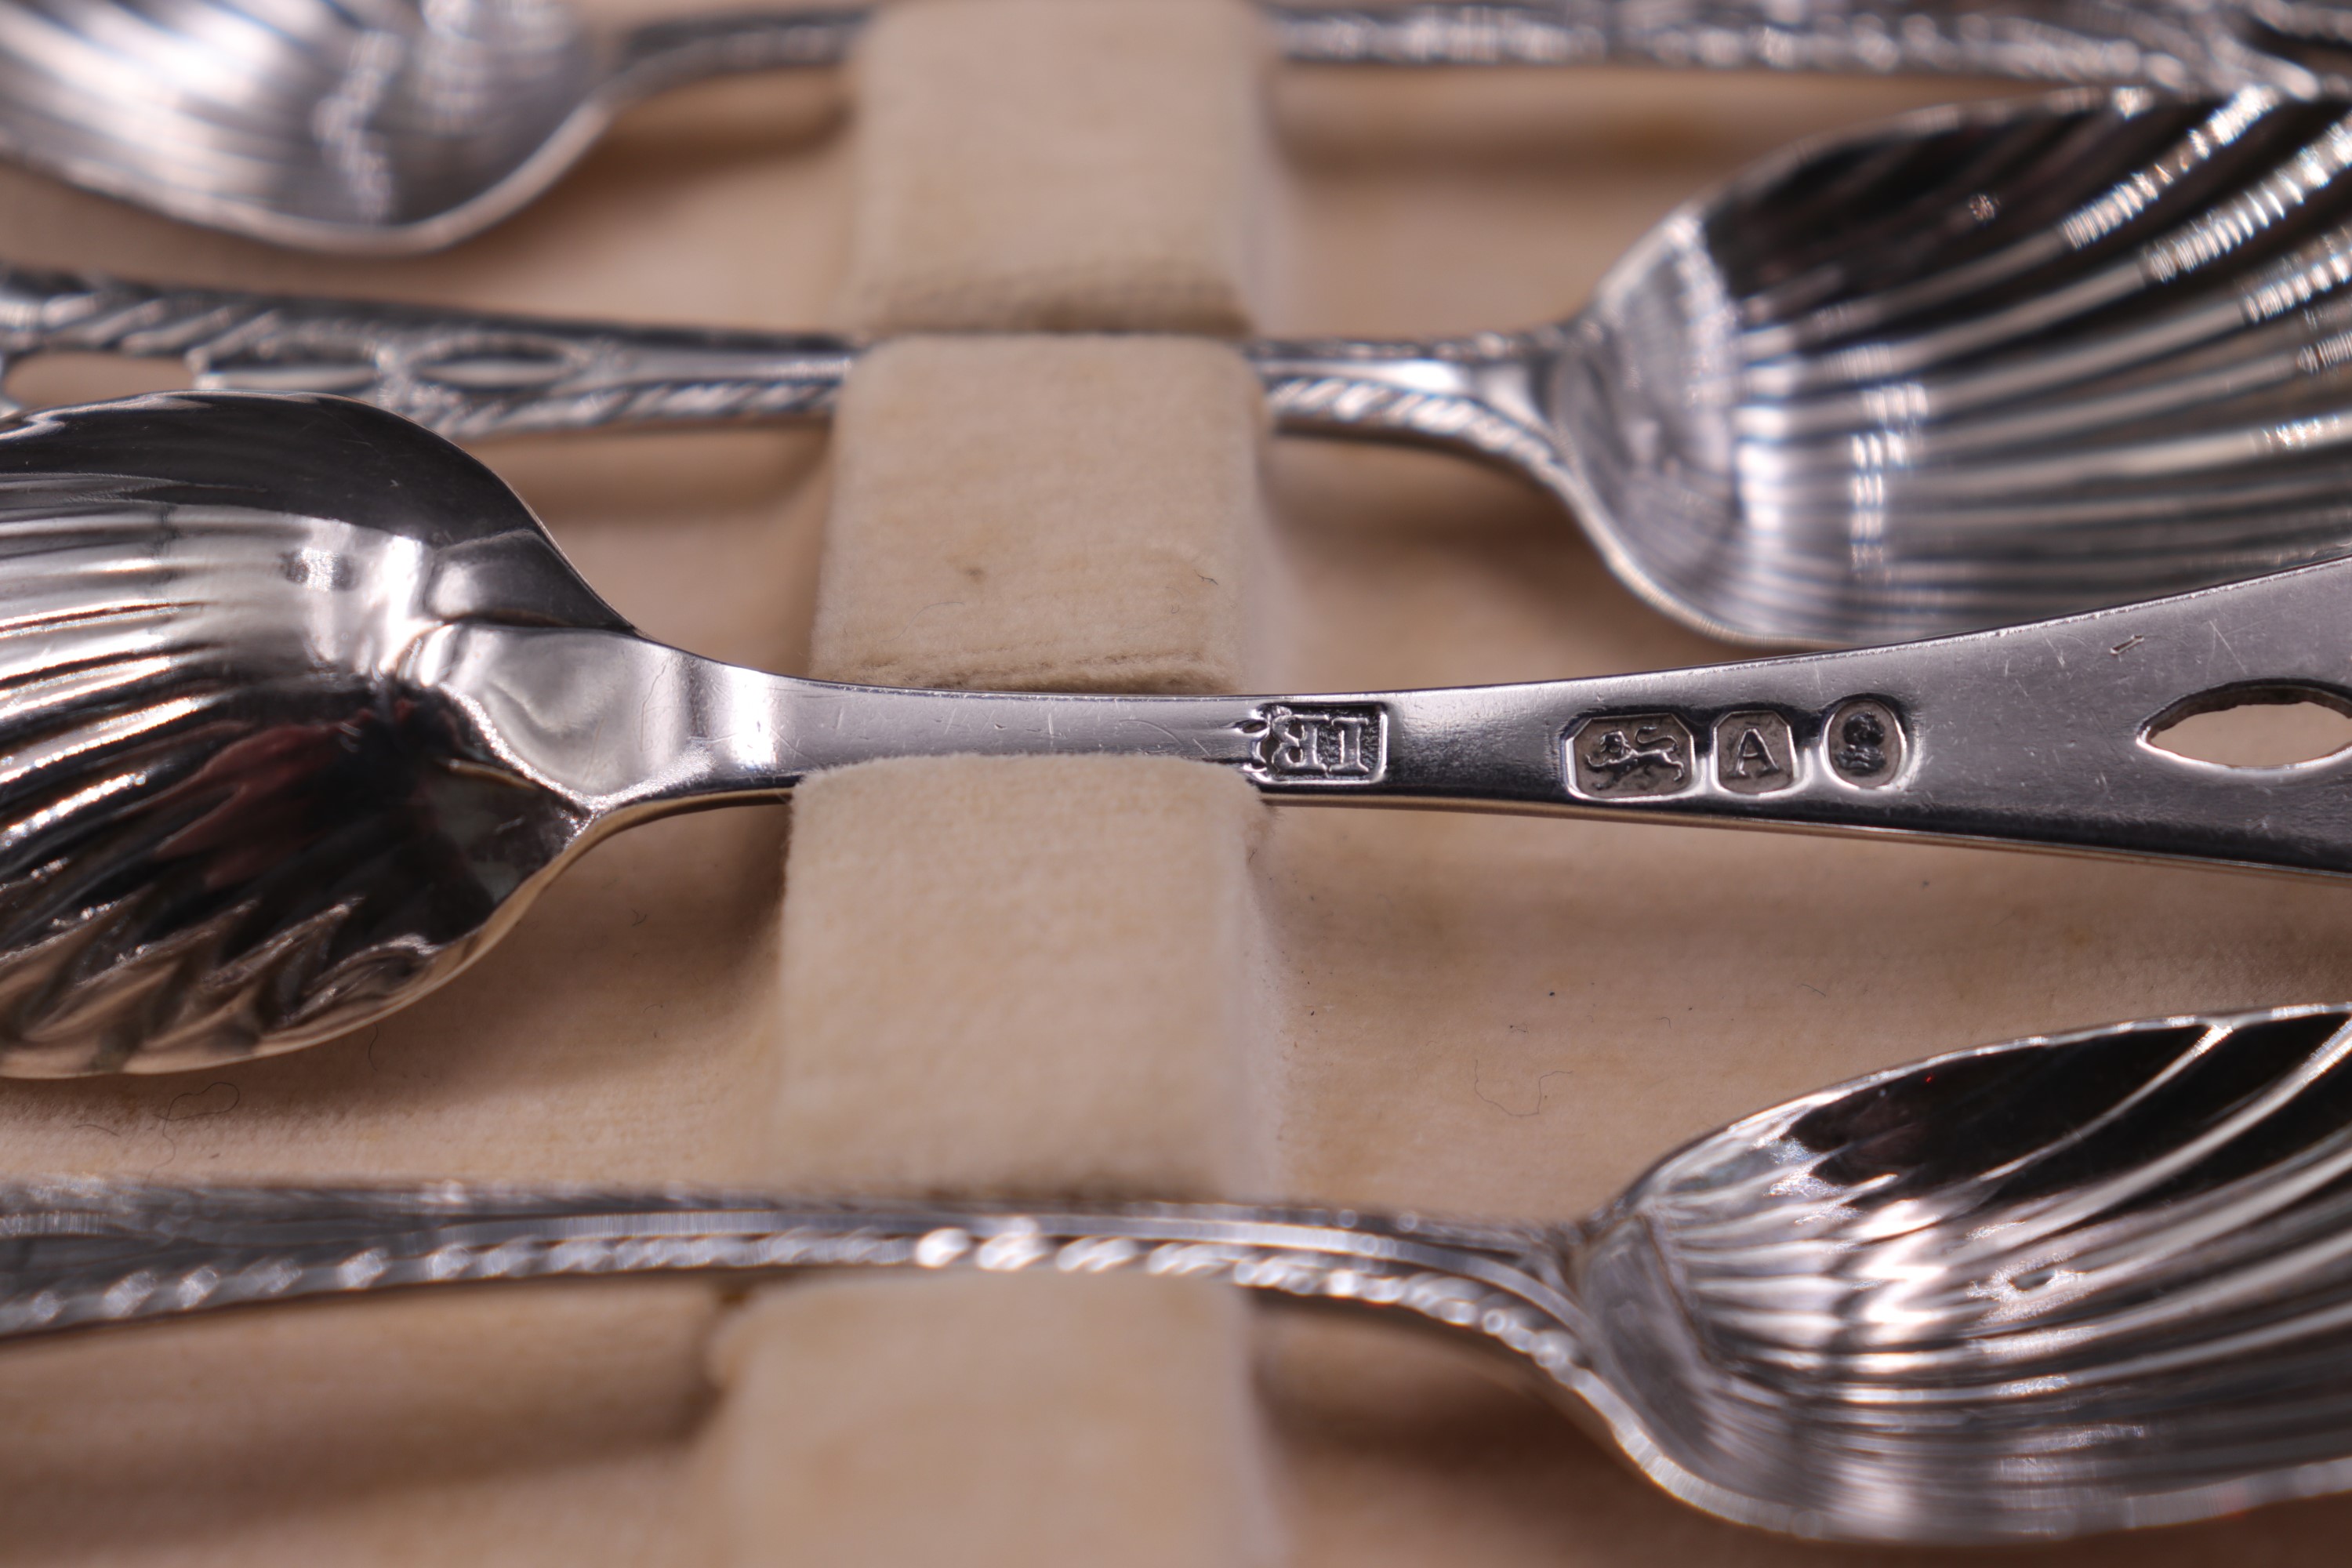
2085 41
662 55
464 374
2033 735
468 374
471 375
78 1253
1479 394
2036 734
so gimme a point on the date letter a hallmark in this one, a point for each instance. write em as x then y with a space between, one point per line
1332 747
1754 752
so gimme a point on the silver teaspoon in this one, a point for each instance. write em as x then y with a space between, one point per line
300 708
375 126
1966 369
397 125
2042 1289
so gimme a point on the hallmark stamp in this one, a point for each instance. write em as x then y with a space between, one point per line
1754 752
1863 741
1630 757
1337 745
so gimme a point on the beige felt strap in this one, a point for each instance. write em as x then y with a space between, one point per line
1017 975
980 1420
1022 976
962 553
1058 165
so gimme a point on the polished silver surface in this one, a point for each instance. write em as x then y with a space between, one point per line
402 125
1983 364
302 708
2043 1289
467 375
349 125
2298 45
1974 367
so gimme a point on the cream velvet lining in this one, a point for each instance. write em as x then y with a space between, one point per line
1062 166
1041 513
961 985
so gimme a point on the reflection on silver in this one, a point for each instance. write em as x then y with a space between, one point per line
467 375
2043 1289
402 125
300 708
1978 367
2299 45
353 125
1985 364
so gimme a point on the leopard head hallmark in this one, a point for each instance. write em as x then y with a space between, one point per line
1332 747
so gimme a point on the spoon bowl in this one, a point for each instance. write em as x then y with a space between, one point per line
1980 366
2102 1272
397 127
2063 1285
232 812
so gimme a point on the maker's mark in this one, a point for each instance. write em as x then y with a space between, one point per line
1333 746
